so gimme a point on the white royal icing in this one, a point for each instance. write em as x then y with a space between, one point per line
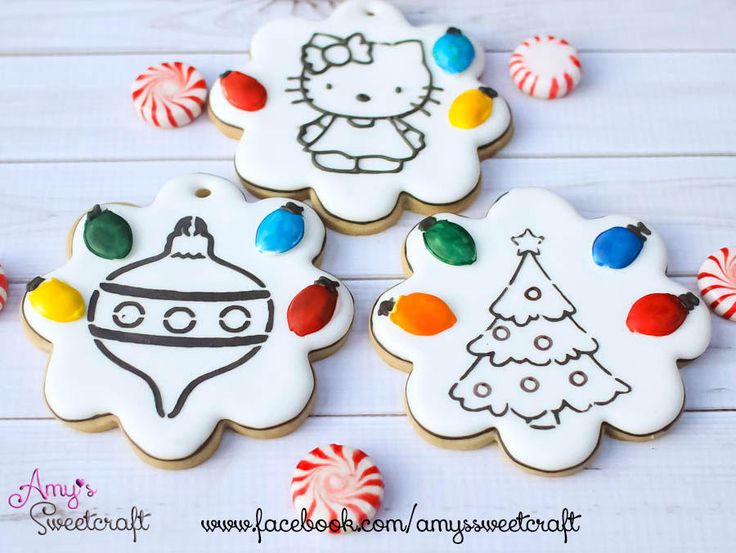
466 381
268 389
387 53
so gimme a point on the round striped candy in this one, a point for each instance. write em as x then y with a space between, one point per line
717 282
3 288
332 478
545 67
169 95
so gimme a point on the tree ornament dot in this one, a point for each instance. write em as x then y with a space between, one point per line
448 241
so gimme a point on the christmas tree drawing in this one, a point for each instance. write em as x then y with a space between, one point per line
534 360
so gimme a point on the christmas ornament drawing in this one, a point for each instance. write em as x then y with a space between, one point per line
538 329
505 378
363 113
197 313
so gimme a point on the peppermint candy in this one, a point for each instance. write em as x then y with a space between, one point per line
545 67
333 478
169 95
3 288
717 282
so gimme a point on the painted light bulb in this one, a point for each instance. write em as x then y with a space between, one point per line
107 234
243 91
313 307
453 51
618 247
418 313
55 300
448 241
472 108
281 230
660 314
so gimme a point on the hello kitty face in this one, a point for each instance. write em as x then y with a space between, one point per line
352 77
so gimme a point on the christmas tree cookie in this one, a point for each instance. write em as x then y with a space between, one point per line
363 113
539 329
197 313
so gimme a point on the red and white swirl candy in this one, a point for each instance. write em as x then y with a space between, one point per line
169 95
545 67
332 478
3 288
717 282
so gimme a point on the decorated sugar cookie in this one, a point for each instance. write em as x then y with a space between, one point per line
362 112
179 319
538 328
334 478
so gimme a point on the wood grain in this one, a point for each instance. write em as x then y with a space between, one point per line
635 104
672 494
78 26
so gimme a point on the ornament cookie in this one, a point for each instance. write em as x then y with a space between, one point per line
539 328
332 478
169 95
177 320
717 283
363 113
545 66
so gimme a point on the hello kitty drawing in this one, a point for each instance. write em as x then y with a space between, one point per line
362 113
349 82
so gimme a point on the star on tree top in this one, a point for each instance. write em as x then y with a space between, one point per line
527 242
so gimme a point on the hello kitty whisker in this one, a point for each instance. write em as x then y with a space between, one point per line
300 100
420 107
434 101
292 90
432 87
298 78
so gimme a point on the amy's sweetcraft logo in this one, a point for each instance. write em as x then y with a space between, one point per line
53 505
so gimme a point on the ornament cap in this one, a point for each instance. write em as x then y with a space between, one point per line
330 284
488 91
291 207
35 283
689 301
427 223
385 307
95 212
640 229
453 31
225 73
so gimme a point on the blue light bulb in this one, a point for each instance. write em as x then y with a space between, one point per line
618 247
453 52
281 230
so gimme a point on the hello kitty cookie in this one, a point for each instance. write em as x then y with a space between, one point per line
197 313
363 113
539 329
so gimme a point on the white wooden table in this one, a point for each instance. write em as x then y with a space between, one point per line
649 133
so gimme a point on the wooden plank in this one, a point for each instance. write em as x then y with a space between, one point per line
206 26
672 494
628 104
354 381
689 201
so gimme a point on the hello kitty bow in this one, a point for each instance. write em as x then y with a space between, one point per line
324 51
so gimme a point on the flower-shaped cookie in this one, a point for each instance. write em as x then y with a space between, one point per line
362 112
196 313
539 328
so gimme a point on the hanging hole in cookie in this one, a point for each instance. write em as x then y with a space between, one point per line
203 192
